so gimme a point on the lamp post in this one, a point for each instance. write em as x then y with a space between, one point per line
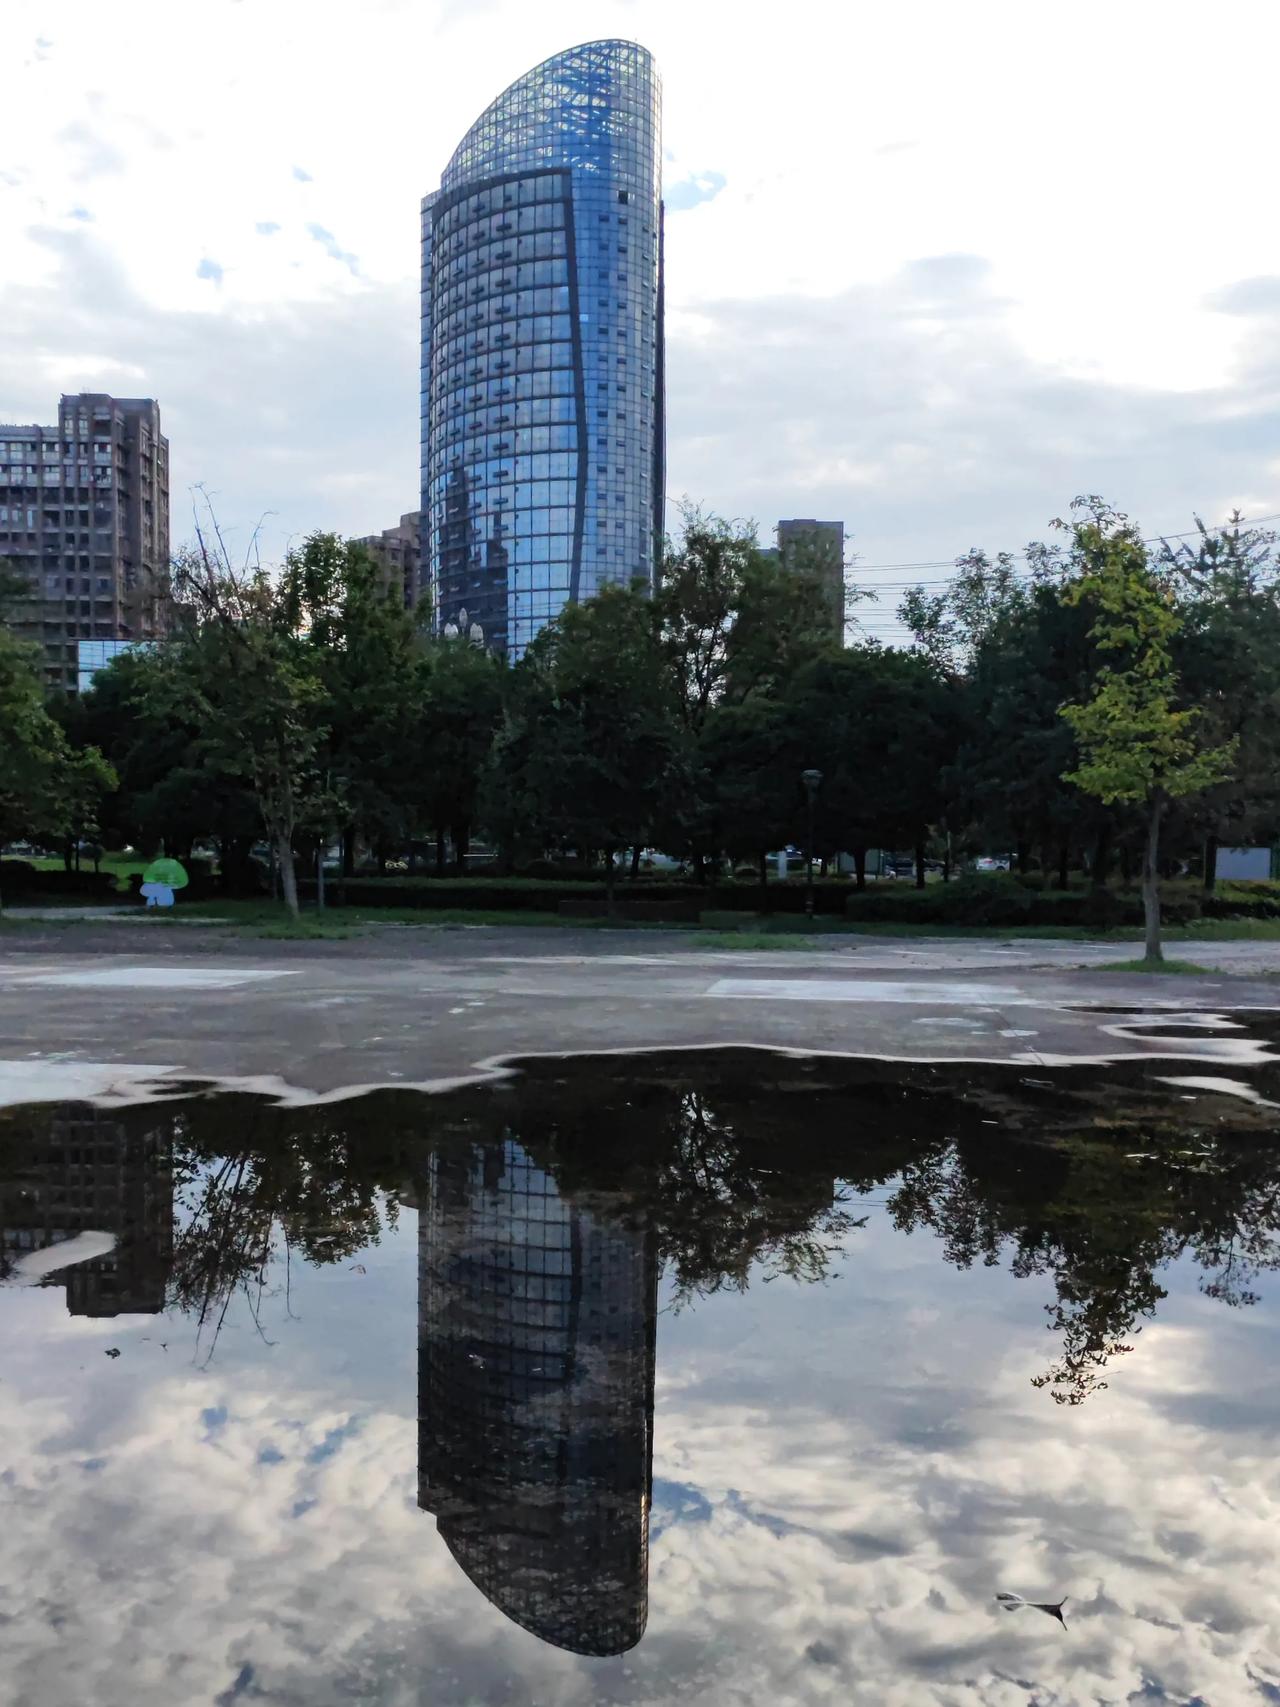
812 781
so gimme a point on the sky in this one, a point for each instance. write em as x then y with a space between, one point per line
931 269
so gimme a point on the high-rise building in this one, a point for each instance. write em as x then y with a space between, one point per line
542 348
84 519
398 550
819 548
536 1321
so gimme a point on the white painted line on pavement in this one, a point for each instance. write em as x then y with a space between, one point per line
157 978
941 994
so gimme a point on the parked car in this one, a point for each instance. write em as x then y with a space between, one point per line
989 863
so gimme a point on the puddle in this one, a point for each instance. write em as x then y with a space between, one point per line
623 1380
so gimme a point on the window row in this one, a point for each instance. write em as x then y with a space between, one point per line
499 298
515 192
451 234
531 329
534 246
506 359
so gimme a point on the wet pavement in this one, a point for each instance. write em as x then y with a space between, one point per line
304 1019
726 1376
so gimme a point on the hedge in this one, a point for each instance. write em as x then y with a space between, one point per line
18 878
667 899
1002 900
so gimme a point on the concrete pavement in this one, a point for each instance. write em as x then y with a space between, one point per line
430 1007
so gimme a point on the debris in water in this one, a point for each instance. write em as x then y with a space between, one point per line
1011 1603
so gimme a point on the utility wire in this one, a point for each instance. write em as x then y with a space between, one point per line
1020 556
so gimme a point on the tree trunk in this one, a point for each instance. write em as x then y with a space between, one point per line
610 900
439 853
320 876
635 861
860 868
1064 864
461 840
764 880
288 877
919 865
348 852
1023 858
946 860
1210 864
1151 883
1101 859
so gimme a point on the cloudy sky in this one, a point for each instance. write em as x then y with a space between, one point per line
932 269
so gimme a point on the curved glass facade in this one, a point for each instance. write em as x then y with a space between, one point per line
535 1395
542 348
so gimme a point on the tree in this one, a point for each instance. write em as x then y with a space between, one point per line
177 780
45 788
589 750
1136 742
363 650
877 722
257 686
698 602
1228 657
458 708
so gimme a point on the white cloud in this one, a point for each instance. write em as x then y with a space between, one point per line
836 1504
1101 346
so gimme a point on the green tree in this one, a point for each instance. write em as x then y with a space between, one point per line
878 723
45 787
1228 657
459 701
177 781
589 751
1137 742
257 687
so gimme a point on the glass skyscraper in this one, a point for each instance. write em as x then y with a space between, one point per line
542 348
536 1322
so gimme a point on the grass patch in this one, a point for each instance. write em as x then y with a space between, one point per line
1178 968
121 866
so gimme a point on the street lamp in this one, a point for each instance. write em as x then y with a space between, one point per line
812 781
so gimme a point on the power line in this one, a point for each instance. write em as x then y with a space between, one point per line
1021 556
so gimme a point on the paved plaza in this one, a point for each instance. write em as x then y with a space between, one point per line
96 1009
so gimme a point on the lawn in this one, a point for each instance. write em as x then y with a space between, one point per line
120 865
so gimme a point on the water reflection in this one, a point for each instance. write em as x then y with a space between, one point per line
548 1207
79 1171
536 1322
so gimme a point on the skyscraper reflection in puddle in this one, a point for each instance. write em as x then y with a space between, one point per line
535 1402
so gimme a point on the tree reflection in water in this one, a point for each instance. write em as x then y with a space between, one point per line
742 1167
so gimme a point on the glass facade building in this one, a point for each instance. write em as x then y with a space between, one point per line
542 348
536 1323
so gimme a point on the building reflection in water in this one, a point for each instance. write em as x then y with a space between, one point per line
84 1171
535 1395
